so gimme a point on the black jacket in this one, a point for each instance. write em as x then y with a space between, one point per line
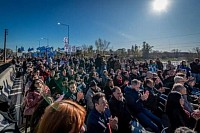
152 100
195 68
133 101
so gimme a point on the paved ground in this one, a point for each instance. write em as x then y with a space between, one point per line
15 97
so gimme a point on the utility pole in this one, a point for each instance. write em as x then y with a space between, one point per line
16 51
5 34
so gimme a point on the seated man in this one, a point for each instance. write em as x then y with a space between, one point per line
134 102
119 109
99 120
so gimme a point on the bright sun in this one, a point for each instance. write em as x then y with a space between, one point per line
160 5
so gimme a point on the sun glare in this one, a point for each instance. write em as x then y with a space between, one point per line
160 5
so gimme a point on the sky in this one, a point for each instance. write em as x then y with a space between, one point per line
122 22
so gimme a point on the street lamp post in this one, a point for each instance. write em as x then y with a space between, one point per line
67 30
5 34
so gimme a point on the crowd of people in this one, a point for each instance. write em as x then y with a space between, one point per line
109 95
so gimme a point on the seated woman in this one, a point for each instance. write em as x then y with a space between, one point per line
71 118
39 111
175 111
42 87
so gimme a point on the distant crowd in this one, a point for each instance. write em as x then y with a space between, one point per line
99 95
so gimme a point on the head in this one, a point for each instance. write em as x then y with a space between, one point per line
71 71
110 82
183 63
37 72
174 100
93 85
117 93
100 102
149 75
64 73
150 83
93 74
171 72
169 62
93 69
39 83
72 86
105 72
81 70
157 60
196 60
135 70
71 118
179 79
135 84
179 88
128 68
35 77
78 78
52 74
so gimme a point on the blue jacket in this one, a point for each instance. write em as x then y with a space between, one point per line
133 101
97 122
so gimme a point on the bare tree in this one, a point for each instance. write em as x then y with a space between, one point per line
146 49
90 50
176 52
135 50
101 45
197 51
84 49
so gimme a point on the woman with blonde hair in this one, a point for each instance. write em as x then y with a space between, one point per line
62 117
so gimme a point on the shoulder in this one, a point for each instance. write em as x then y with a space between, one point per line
92 117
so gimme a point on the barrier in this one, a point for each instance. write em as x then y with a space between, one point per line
7 76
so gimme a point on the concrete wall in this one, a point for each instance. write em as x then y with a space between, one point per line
6 79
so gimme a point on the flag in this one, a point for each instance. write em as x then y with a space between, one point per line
30 49
66 41
38 48
22 49
73 49
69 49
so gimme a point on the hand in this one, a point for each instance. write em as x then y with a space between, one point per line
100 79
80 96
196 114
145 96
113 122
126 82
57 96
